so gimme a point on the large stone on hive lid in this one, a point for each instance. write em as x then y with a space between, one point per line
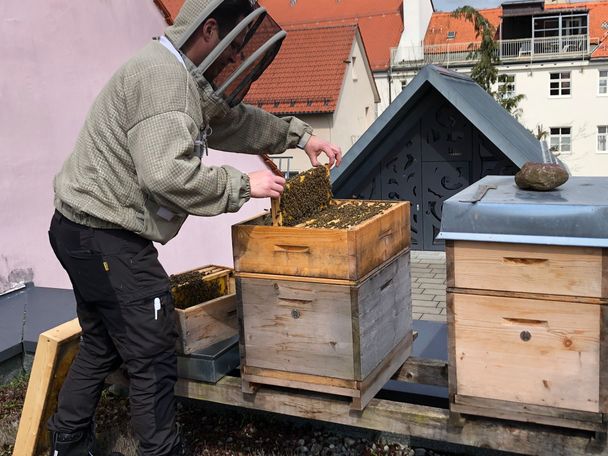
541 176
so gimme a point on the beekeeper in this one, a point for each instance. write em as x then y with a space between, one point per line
137 171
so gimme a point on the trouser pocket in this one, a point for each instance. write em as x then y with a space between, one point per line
149 326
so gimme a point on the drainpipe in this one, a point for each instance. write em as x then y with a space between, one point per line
390 83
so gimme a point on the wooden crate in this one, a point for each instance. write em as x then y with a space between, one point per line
212 321
327 335
347 254
529 268
527 333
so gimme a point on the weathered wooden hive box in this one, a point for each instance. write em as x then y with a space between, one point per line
323 309
205 304
527 295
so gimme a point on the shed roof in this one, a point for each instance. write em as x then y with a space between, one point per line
491 119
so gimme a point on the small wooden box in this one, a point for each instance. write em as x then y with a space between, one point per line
347 254
209 322
528 332
334 336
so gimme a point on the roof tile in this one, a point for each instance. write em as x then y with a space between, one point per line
307 74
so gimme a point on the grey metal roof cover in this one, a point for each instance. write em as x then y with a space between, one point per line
506 133
574 214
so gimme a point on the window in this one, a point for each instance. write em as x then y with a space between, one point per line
559 84
603 83
355 75
506 85
451 35
602 138
560 140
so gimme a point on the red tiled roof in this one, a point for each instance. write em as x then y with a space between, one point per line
598 13
308 72
380 21
441 23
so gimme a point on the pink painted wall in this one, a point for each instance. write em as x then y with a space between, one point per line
55 56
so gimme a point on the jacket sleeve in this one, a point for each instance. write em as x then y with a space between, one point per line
248 129
162 148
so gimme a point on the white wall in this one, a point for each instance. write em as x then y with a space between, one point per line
583 111
56 56
416 17
388 90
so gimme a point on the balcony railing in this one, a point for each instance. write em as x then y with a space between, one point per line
527 50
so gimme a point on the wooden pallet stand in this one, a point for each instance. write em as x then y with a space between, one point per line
528 332
212 321
58 346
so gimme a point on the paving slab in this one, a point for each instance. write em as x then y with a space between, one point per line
428 286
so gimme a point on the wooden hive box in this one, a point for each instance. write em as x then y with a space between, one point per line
527 322
327 335
322 309
210 320
347 254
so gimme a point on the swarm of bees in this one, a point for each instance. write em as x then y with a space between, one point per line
307 201
190 288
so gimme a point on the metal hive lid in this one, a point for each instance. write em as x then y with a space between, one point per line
575 214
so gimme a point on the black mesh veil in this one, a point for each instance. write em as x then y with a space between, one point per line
261 41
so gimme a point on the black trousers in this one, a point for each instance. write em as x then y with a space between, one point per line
119 284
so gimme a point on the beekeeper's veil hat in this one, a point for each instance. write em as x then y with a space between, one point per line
256 40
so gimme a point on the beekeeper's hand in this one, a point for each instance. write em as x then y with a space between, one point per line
317 146
264 184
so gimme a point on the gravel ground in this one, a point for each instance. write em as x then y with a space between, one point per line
211 430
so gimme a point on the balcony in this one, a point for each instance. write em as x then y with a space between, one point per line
508 51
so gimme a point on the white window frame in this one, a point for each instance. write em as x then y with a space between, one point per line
602 83
602 134
508 93
559 83
557 146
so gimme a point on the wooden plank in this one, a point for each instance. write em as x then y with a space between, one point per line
378 239
535 296
423 371
302 378
603 399
321 252
604 272
300 383
449 263
452 365
528 413
298 327
547 269
383 373
398 418
275 211
527 351
55 352
207 323
321 280
384 312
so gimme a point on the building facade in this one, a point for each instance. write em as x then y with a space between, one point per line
555 55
